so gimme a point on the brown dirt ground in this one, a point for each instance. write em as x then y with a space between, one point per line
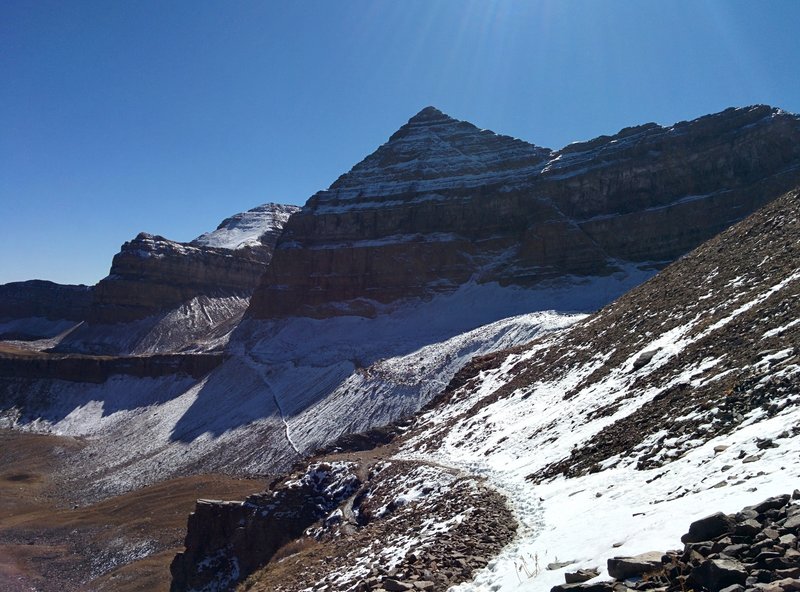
46 544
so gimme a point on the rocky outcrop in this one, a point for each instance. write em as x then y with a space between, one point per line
754 550
98 369
443 203
38 308
441 527
151 274
226 541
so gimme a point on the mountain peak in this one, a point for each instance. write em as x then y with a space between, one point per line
428 115
256 227
433 152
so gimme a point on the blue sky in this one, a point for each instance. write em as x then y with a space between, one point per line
119 117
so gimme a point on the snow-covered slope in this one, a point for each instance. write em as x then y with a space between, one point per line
256 227
608 437
290 386
680 399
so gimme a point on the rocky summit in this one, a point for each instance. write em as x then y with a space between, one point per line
471 362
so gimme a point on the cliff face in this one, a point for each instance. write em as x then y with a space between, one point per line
98 369
39 309
164 296
443 203
151 273
48 300
226 541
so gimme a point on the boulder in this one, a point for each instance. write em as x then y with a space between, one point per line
733 588
716 574
392 585
747 528
593 587
772 503
623 568
580 576
709 528
792 522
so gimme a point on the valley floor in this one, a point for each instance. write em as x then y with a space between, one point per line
50 543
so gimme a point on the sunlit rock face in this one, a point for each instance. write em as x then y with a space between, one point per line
443 203
256 230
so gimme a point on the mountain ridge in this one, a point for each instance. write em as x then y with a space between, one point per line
375 300
607 438
414 218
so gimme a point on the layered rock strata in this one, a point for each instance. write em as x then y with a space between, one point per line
443 203
39 298
151 273
37 309
98 369
256 230
163 295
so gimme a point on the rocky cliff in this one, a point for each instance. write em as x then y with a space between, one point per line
37 309
98 369
443 203
151 273
162 295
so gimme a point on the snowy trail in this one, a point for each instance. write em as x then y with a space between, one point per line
259 370
528 511
580 522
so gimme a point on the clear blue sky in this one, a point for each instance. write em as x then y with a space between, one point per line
123 116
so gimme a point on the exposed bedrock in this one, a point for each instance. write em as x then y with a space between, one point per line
443 203
151 273
48 300
39 309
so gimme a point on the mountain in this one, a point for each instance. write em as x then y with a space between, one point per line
444 203
288 384
607 438
257 228
39 309
161 295
445 246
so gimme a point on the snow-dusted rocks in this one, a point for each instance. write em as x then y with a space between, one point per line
262 523
369 525
442 203
735 558
602 458
151 273
258 228
162 295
